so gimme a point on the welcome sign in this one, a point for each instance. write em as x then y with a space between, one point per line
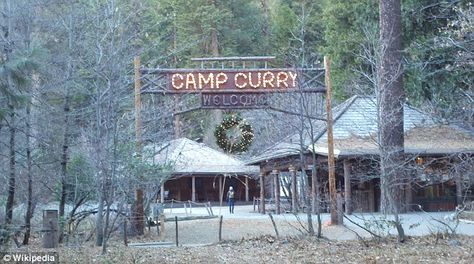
230 100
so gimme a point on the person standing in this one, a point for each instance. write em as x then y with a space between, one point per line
230 199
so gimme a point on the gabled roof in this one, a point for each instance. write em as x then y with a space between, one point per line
355 132
290 145
186 156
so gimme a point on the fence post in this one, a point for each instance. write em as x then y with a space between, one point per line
220 228
162 227
176 222
125 237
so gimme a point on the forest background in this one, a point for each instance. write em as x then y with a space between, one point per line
66 79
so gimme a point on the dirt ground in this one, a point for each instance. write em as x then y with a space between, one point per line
268 249
254 241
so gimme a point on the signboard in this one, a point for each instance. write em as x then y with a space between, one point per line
234 100
262 80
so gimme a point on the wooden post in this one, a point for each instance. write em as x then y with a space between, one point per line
50 229
221 192
193 187
408 197
176 223
246 189
162 227
331 161
262 193
314 185
340 212
293 189
347 186
276 183
459 189
220 228
162 194
371 196
125 236
138 216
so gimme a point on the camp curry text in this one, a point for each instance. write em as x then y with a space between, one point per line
233 80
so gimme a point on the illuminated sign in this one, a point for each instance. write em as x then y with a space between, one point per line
232 80
226 100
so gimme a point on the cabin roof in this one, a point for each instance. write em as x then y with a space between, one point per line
290 145
186 156
355 132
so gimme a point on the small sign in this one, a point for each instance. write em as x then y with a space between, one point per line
262 80
234 100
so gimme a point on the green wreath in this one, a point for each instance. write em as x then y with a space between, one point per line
234 134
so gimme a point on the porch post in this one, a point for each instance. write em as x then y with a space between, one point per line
408 197
293 189
262 193
276 181
314 185
347 186
459 196
246 189
220 191
371 196
162 192
193 186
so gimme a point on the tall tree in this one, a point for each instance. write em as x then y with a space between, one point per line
391 98
17 64
344 24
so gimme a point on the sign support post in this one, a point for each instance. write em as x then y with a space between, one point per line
331 162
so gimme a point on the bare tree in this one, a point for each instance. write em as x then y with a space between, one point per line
390 96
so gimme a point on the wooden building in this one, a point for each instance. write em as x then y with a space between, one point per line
438 169
200 173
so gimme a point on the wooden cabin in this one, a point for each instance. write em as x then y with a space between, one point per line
439 160
201 174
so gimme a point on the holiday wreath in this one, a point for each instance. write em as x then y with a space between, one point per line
234 134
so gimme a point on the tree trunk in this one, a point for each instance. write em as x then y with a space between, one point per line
390 104
7 49
65 146
391 99
64 161
11 180
304 178
29 208
99 228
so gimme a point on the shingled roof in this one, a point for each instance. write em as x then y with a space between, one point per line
290 145
355 132
189 157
